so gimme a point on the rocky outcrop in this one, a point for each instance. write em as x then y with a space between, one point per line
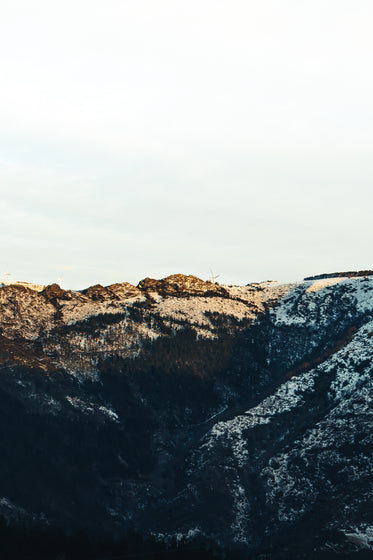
124 290
180 285
54 293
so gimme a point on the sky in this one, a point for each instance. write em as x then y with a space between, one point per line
145 138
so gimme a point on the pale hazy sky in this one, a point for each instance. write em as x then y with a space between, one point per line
147 137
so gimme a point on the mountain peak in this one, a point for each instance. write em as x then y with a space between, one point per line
181 285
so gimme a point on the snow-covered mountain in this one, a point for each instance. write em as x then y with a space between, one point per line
192 411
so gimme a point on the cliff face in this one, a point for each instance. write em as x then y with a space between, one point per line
189 409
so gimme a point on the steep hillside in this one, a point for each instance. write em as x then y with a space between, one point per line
192 412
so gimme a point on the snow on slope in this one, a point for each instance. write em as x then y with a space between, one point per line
350 415
333 400
307 304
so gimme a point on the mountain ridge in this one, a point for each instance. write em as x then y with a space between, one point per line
240 415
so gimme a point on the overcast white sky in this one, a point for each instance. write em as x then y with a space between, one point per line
147 137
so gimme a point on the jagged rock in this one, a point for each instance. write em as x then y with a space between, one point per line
97 293
54 292
180 285
124 290
118 291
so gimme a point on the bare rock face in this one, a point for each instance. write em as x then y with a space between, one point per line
97 293
180 285
54 292
124 290
119 291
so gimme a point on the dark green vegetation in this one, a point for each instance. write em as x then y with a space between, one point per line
38 543
349 274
